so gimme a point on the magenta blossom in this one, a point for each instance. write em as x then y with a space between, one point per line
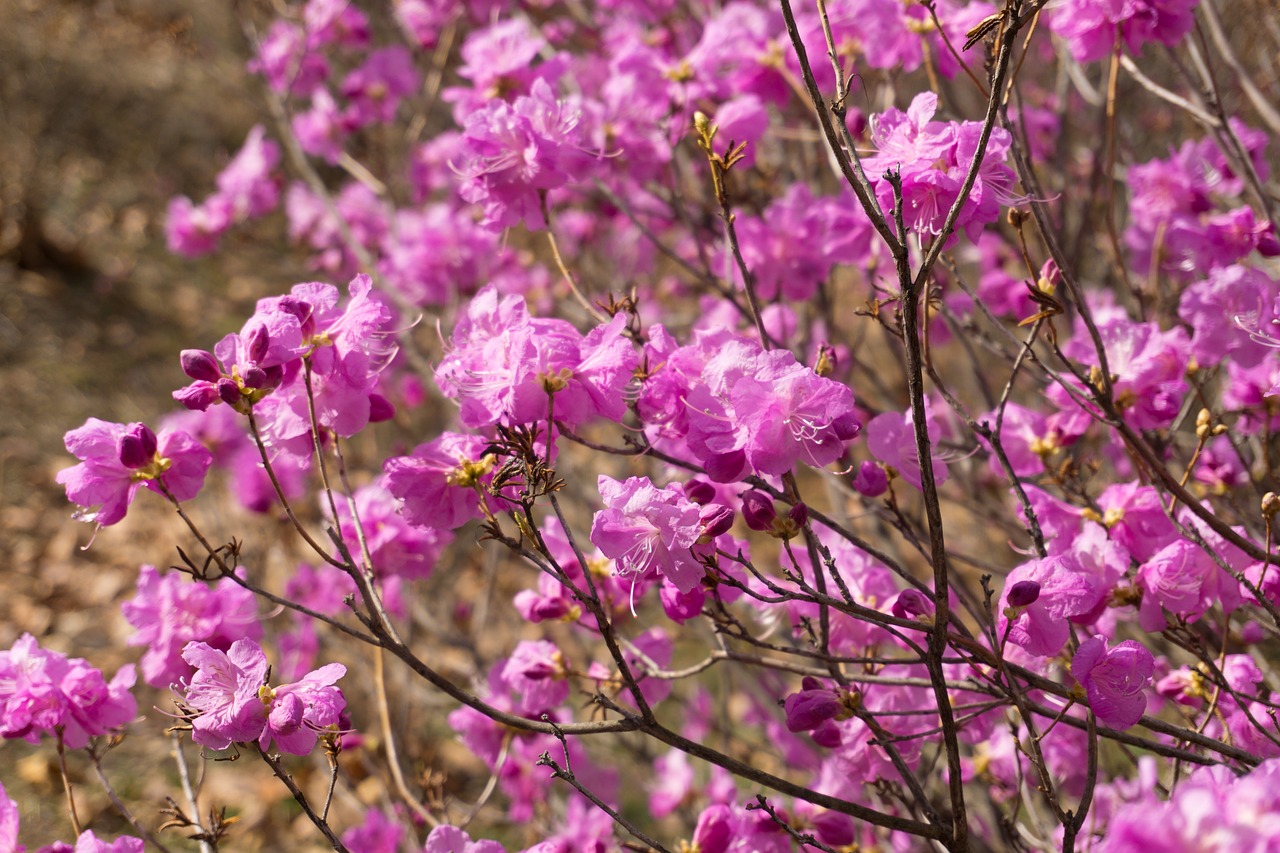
171 610
116 459
43 692
437 482
1067 593
1114 679
450 839
232 702
649 531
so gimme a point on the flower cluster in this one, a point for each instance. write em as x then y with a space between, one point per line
115 459
44 693
230 700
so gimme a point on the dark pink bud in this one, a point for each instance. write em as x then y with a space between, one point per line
550 609
871 481
201 365
1023 593
255 377
757 510
911 603
198 396
228 391
1268 245
714 831
716 519
137 447
380 409
256 343
699 491
810 683
799 515
808 708
834 829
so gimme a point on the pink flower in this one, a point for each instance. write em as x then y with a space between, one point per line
380 833
649 530
891 439
232 702
1067 593
437 481
114 463
450 839
246 182
300 712
224 693
43 691
376 88
513 153
1114 679
171 610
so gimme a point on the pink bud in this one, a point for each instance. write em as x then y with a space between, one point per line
1023 593
911 603
228 391
872 481
137 447
699 491
201 365
716 519
757 510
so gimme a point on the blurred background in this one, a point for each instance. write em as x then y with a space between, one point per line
108 109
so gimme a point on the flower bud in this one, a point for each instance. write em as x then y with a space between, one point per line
275 375
201 365
871 481
380 409
1050 276
757 510
912 604
834 829
137 447
799 516
302 310
827 734
807 709
228 391
699 491
715 830
255 377
1268 245
1270 504
286 714
1023 593
716 519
